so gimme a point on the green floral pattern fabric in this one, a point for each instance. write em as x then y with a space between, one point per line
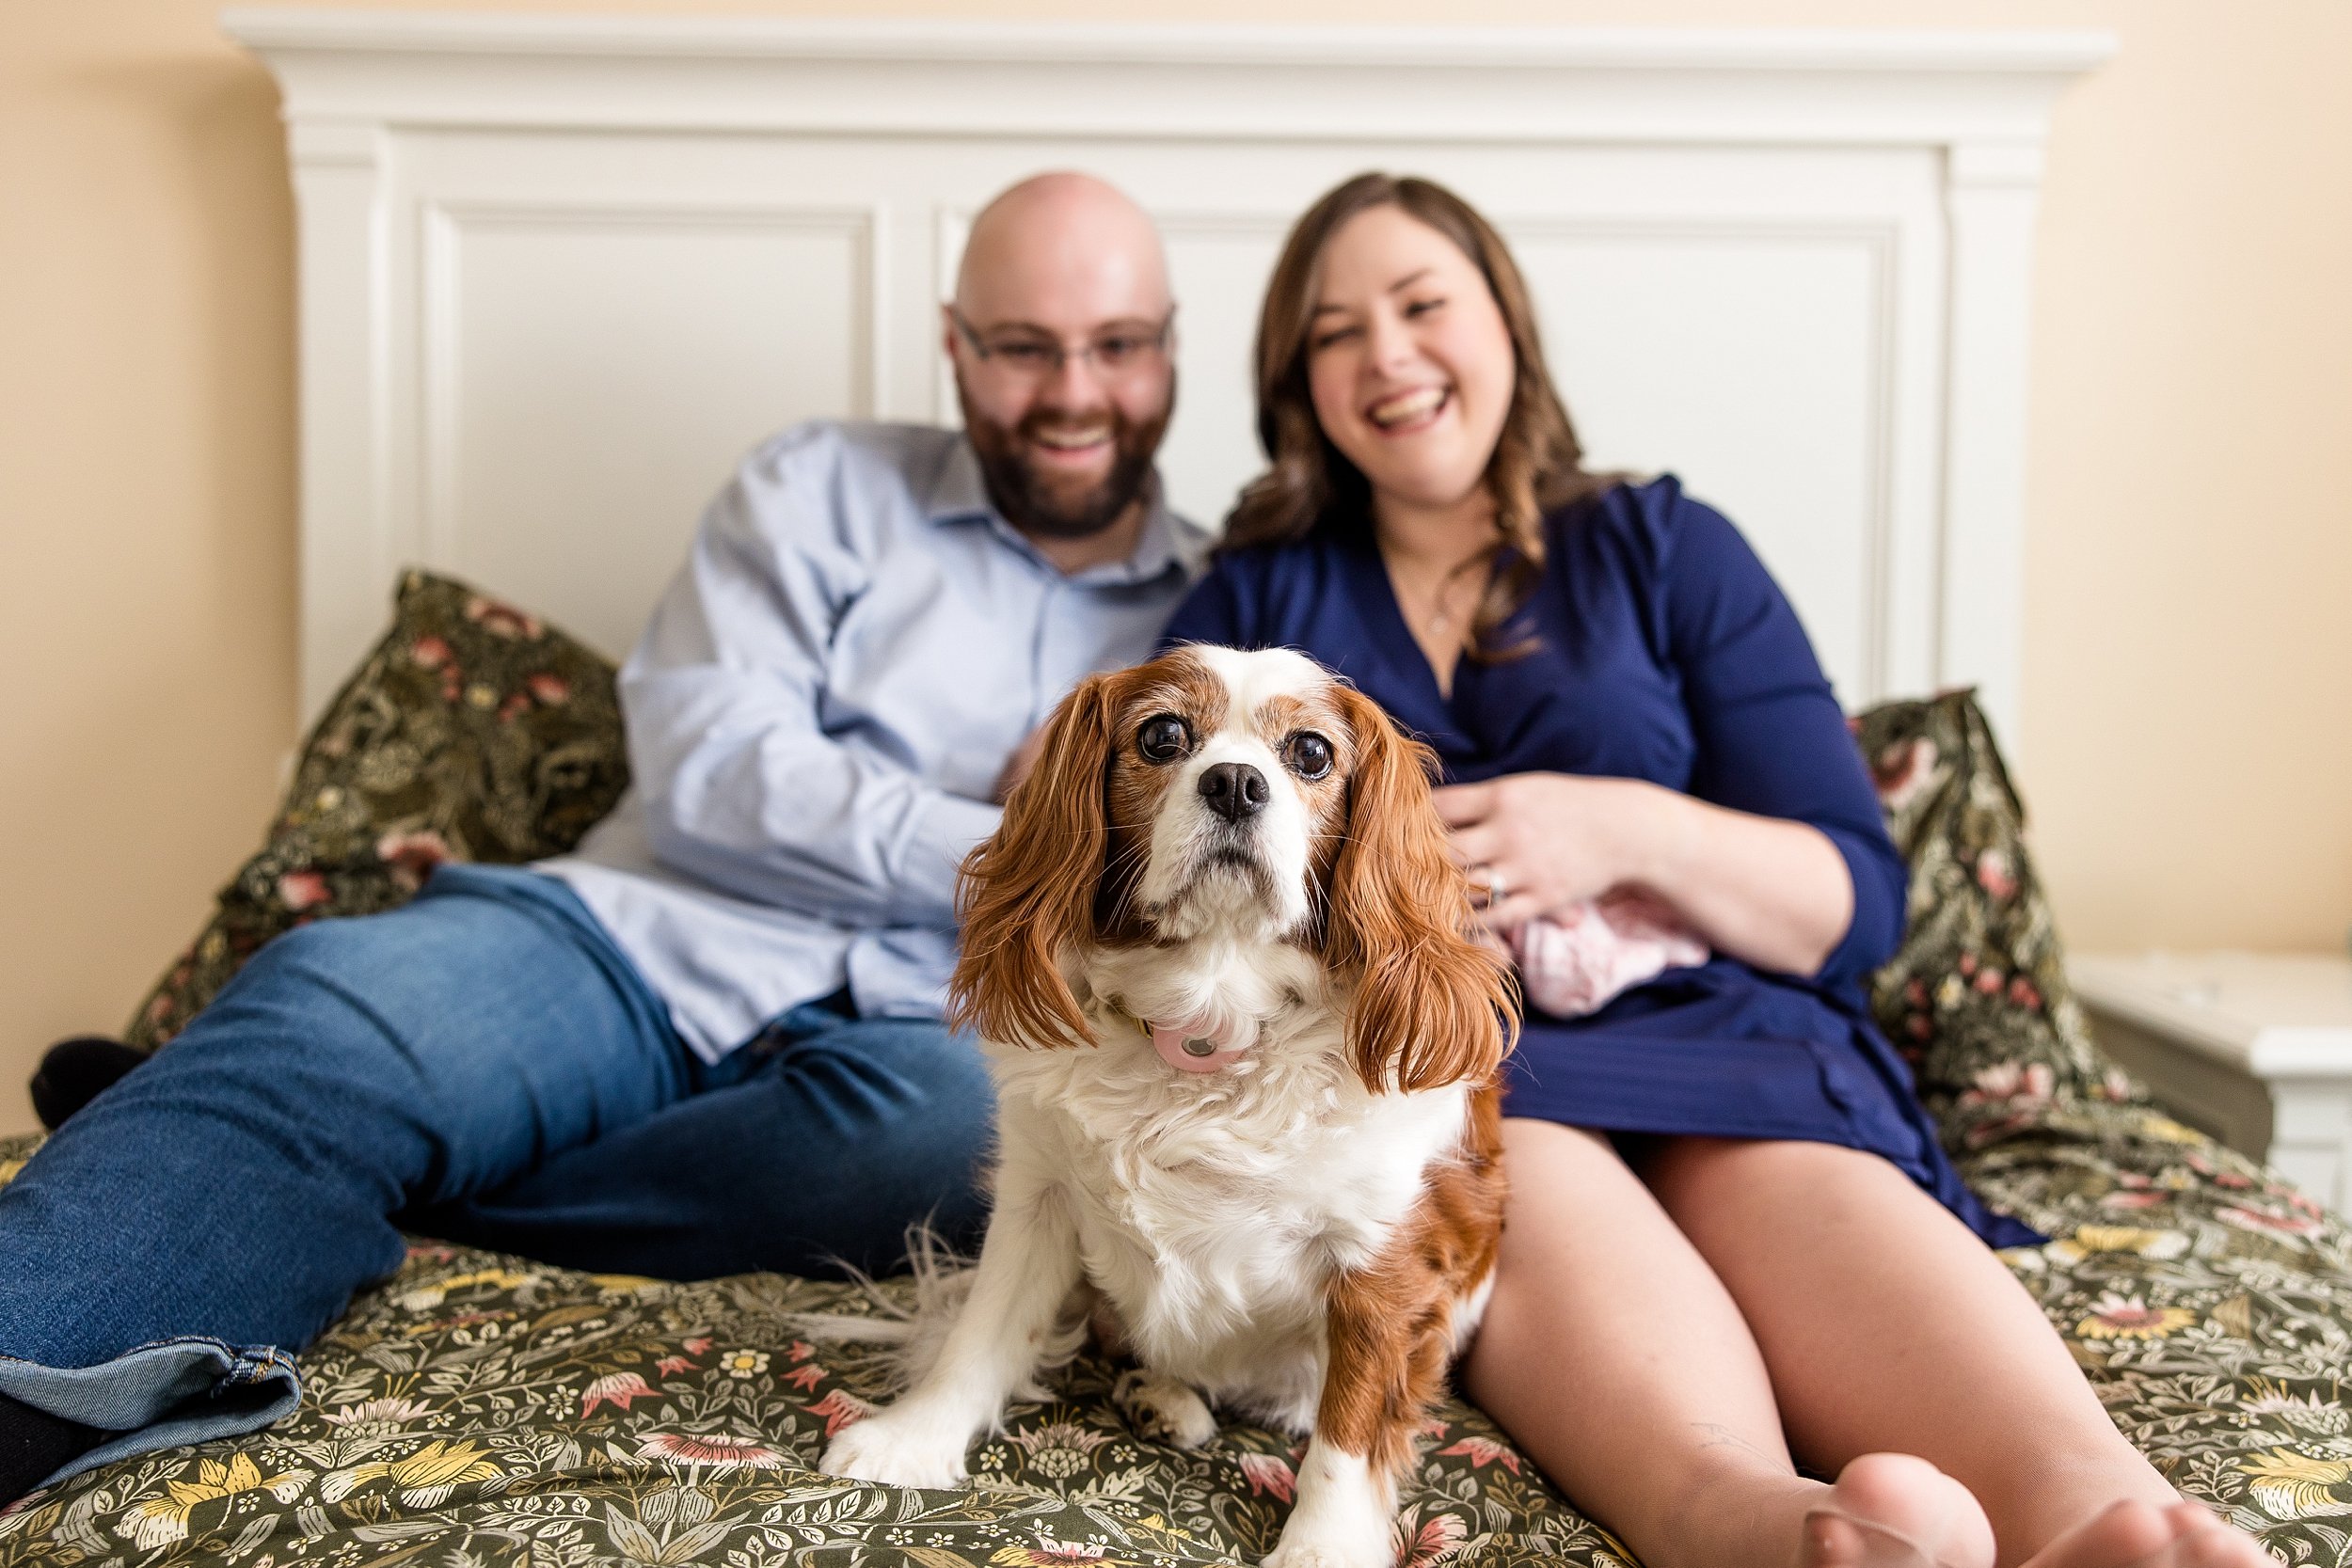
1977 997
473 731
478 1409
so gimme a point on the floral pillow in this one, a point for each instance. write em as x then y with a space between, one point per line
1977 998
473 732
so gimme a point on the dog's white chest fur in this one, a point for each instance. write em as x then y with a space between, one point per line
1211 1210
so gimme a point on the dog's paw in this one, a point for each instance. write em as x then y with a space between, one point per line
1163 1409
1345 1516
1328 1554
897 1451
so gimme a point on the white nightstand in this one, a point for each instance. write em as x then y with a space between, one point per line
2253 1048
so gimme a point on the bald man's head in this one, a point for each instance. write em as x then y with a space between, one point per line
1061 334
1065 244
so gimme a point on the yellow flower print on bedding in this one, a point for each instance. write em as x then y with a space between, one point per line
2291 1485
160 1521
2139 1242
744 1363
2120 1316
424 1479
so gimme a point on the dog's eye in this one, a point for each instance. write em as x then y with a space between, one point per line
1163 738
1308 753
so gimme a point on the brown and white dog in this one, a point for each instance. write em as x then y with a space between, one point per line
1246 1054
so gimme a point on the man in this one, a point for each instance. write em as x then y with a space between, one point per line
708 1041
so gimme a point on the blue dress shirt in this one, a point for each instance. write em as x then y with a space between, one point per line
818 711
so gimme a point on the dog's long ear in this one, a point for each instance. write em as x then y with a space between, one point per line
1431 1005
1026 893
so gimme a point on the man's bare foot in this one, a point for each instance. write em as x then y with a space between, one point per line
1895 1510
2143 1535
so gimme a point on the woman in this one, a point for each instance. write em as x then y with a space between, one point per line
1733 1240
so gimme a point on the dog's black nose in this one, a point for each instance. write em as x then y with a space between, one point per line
1233 790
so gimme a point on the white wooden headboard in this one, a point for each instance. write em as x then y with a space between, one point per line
557 274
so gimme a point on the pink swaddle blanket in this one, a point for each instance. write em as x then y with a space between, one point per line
1572 962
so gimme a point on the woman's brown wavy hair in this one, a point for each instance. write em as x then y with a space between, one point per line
1537 466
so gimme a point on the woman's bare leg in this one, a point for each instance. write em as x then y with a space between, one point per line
1886 1324
1612 1355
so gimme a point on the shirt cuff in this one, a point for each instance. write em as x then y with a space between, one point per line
1875 929
945 829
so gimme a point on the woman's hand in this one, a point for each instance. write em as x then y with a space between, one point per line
1545 840
1773 893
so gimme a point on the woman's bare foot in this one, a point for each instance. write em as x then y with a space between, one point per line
1895 1510
2141 1535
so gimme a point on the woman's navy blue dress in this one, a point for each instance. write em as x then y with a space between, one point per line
1664 651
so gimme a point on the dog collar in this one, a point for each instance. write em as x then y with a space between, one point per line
1186 1050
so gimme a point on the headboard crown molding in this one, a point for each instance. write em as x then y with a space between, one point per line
556 271
1230 80
1334 47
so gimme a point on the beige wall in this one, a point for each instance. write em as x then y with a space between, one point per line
2188 698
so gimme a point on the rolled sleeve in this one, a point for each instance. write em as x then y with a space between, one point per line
946 828
1770 735
743 786
1881 894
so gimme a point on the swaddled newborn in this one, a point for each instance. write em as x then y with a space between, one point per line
1575 962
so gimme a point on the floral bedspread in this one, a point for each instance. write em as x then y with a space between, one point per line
479 1410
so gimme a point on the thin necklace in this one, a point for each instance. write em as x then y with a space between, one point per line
1439 617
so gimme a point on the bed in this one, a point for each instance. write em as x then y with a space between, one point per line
556 273
479 1409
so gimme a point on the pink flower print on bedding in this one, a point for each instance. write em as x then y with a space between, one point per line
1576 960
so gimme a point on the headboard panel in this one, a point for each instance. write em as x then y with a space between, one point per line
559 272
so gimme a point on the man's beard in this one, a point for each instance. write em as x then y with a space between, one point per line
1043 510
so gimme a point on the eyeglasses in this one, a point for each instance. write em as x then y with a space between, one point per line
1030 356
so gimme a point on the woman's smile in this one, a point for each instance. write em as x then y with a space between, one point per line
1410 411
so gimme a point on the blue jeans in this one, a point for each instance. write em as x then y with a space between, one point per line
483 1065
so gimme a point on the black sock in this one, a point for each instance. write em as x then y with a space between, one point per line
32 1443
76 1071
